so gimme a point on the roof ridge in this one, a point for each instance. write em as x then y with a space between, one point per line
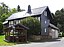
39 7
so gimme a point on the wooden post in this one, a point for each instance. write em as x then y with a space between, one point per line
5 34
13 34
9 32
18 35
26 35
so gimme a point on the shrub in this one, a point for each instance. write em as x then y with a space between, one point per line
1 28
33 24
62 34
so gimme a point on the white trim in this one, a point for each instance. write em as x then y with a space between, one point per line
45 30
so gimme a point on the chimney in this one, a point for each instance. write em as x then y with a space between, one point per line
29 9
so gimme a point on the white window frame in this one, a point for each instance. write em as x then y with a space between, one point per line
39 18
45 21
10 22
45 30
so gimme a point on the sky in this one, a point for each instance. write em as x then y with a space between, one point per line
52 4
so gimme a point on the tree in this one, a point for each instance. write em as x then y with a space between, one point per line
5 13
18 8
33 25
1 28
59 18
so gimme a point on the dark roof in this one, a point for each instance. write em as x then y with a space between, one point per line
53 26
8 28
5 22
23 14
20 25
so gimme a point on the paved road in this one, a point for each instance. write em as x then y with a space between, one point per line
58 43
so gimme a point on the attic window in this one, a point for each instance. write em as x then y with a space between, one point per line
45 13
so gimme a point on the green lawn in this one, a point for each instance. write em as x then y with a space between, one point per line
3 43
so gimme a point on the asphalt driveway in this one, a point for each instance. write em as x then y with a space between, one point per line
57 43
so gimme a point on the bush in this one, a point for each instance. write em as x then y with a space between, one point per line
62 34
33 24
1 28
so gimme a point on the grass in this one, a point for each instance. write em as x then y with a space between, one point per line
4 43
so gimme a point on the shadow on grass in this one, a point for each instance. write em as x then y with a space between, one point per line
1 34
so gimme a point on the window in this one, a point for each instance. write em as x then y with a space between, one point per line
10 22
45 21
39 18
19 21
45 13
16 21
45 29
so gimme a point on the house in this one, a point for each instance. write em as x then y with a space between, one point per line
43 14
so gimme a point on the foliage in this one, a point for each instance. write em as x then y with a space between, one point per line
33 24
5 12
59 19
19 10
62 34
1 26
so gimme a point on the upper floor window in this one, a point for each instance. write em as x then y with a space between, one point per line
38 18
45 13
45 21
16 21
10 22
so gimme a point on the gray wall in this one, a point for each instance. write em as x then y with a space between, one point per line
43 24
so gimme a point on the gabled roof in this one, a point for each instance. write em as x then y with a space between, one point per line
23 14
20 25
51 25
5 22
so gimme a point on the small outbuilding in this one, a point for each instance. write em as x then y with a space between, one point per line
53 31
16 33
